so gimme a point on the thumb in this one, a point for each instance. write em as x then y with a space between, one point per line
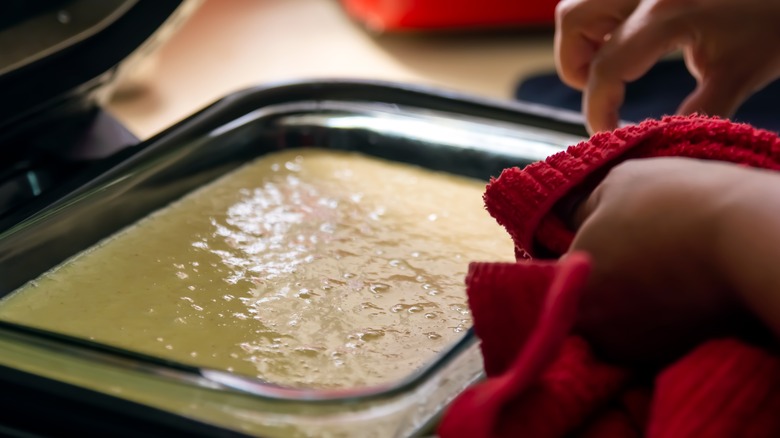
585 209
579 205
717 96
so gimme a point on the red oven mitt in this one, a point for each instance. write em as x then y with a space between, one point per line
544 382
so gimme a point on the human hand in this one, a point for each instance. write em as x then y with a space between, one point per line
656 288
729 47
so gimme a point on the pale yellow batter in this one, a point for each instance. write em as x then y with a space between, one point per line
307 268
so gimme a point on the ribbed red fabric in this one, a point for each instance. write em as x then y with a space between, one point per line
541 381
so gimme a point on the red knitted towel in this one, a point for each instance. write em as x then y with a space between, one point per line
541 381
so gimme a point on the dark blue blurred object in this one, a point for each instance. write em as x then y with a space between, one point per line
657 93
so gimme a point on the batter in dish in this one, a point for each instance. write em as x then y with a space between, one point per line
307 268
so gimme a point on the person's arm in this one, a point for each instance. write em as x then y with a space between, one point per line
683 250
747 242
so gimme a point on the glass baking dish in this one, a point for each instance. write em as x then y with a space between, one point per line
96 388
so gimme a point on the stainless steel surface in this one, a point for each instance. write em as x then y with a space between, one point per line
56 30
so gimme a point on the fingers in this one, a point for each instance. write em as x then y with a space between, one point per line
718 95
633 48
601 102
580 30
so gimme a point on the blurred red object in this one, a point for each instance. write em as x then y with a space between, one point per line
398 15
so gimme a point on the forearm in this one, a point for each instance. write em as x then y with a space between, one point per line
747 242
